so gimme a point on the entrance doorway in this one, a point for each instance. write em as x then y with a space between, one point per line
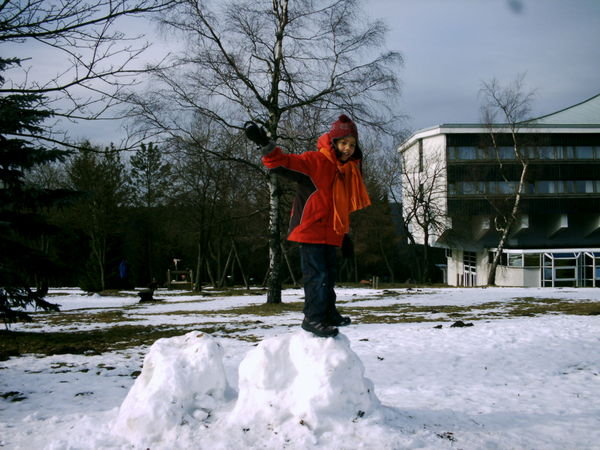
469 268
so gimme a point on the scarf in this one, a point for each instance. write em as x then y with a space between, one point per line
349 190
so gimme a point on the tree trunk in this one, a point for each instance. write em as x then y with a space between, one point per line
426 275
198 277
289 265
415 267
239 262
98 254
274 280
224 273
387 262
505 232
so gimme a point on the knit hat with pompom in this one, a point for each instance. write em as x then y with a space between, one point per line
343 127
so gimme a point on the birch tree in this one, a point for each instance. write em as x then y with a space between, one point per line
511 104
276 62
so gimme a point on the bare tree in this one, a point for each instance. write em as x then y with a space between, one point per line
511 104
423 202
286 65
91 61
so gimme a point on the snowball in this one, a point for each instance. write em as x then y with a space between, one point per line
301 380
182 381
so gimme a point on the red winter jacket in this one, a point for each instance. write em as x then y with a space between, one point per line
312 211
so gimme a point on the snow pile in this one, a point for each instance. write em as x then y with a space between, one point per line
293 389
300 380
182 381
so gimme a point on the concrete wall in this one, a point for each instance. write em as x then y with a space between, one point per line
505 276
432 177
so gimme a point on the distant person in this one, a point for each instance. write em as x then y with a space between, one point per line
124 274
330 187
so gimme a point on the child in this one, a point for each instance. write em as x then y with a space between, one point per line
330 187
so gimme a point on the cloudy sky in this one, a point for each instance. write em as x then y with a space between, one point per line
451 46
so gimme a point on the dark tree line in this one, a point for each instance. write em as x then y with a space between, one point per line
209 214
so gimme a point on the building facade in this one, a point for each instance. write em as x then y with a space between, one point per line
470 176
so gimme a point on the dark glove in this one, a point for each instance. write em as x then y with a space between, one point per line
256 134
347 247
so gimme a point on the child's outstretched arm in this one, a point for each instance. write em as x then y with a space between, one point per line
273 156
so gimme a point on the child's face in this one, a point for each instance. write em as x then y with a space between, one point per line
345 147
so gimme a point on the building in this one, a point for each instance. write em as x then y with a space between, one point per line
465 177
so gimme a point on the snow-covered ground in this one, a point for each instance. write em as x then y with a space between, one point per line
507 382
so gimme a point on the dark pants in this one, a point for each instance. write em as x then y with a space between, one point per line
318 269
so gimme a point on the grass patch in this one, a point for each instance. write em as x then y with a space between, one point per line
402 318
13 396
520 307
85 318
16 343
528 306
263 309
233 292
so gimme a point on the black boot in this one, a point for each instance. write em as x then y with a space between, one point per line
319 329
340 321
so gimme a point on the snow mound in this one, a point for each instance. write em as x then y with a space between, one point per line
182 381
295 391
302 380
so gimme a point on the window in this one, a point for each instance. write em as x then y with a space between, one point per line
466 153
485 154
546 152
508 187
515 260
470 258
581 187
564 152
473 187
566 186
584 152
506 153
560 269
420 155
532 153
469 268
531 260
545 187
529 188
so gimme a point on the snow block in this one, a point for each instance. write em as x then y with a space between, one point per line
302 380
182 381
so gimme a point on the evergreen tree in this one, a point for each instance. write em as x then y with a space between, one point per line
150 183
24 265
101 177
149 176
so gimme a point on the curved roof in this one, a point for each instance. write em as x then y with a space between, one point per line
583 117
584 113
